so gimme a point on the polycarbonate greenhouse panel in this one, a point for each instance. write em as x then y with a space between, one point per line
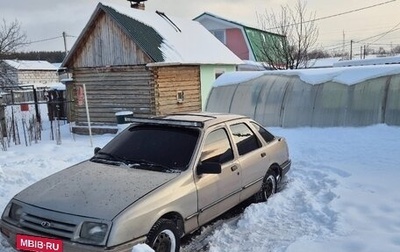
287 101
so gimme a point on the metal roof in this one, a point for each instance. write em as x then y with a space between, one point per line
143 35
165 39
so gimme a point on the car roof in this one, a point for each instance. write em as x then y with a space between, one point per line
199 119
208 118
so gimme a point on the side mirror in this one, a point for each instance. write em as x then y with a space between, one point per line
209 168
97 149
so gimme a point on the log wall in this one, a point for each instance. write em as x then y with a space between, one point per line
111 90
172 79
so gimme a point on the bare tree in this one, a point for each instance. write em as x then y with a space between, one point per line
318 54
382 51
396 50
299 31
11 37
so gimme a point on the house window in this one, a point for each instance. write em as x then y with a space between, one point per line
219 72
180 96
220 35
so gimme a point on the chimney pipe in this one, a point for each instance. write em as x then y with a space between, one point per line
137 4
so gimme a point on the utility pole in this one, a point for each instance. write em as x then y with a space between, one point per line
361 52
351 49
64 34
343 50
391 48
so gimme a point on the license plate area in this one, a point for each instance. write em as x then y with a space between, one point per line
38 244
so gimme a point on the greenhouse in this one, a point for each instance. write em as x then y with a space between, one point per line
339 96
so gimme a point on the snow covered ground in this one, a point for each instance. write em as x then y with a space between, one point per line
342 191
342 196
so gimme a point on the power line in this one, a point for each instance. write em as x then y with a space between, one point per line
338 46
383 44
386 33
351 11
43 40
347 43
48 39
380 35
338 14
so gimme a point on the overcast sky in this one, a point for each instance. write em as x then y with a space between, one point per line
47 19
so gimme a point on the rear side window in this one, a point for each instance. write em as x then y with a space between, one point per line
217 148
268 137
244 138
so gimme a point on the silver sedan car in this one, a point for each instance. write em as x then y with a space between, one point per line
158 180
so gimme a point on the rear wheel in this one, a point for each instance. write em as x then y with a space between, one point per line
163 236
268 187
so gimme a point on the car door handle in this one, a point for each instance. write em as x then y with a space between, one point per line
263 154
234 168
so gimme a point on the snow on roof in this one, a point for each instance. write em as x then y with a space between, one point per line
237 77
31 65
52 86
369 61
324 62
193 44
57 86
57 65
343 75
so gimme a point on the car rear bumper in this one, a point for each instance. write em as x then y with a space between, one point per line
9 232
286 167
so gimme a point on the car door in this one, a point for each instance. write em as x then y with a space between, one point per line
217 192
253 158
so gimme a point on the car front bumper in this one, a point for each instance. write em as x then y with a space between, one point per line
9 232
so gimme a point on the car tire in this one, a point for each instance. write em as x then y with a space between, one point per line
268 187
164 236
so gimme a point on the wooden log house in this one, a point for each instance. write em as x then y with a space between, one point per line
144 62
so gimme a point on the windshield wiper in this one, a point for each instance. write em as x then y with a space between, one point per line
149 165
108 158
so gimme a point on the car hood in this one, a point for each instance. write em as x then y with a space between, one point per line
93 189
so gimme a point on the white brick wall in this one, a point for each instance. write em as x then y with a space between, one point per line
37 76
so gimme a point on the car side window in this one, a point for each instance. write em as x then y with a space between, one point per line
217 147
268 137
244 138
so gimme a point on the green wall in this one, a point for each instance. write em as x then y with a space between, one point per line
208 75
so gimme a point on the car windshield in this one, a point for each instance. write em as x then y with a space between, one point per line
151 147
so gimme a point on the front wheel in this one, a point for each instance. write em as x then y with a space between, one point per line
163 236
